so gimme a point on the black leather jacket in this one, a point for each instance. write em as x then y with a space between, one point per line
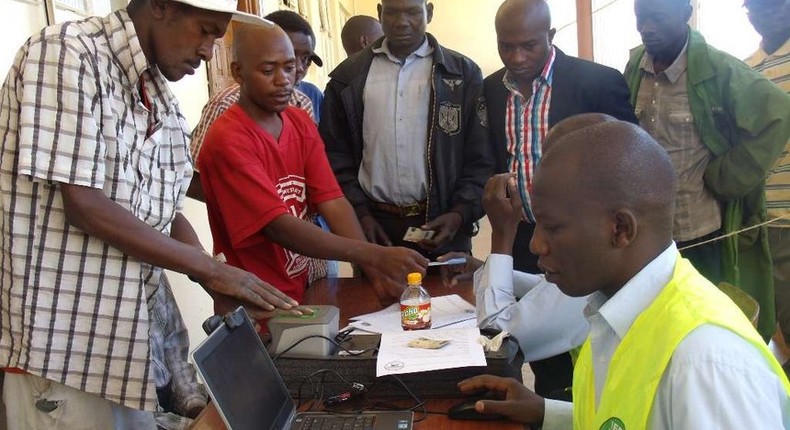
460 155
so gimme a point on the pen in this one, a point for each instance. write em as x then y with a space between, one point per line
450 262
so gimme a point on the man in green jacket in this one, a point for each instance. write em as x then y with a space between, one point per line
724 126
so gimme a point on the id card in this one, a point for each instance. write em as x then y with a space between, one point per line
416 234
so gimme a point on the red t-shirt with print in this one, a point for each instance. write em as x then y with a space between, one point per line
249 179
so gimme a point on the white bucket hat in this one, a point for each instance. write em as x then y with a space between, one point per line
228 6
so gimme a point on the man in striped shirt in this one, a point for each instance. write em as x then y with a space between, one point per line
538 87
94 166
771 19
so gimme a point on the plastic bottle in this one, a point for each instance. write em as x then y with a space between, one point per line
415 305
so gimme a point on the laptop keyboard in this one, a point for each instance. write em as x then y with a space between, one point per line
334 422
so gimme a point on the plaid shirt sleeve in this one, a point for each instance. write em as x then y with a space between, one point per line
215 107
59 137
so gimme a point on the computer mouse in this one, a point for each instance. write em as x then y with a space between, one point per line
465 410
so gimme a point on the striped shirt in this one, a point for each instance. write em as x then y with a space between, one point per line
526 125
776 67
226 98
73 309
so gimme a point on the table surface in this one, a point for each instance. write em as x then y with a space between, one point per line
354 297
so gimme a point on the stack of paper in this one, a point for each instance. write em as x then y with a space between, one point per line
402 353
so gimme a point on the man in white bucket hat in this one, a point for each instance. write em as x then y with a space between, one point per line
93 171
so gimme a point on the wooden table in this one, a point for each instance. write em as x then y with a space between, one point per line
356 297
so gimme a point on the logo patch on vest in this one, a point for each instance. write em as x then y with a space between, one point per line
452 83
450 118
613 423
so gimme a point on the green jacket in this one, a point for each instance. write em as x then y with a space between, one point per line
744 120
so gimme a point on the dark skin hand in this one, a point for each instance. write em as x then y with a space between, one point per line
502 203
458 273
503 207
519 403
89 210
373 231
445 226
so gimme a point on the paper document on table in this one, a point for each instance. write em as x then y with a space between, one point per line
461 350
450 310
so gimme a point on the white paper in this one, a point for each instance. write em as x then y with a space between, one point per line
396 357
450 310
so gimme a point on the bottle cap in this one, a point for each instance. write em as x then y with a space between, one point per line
414 278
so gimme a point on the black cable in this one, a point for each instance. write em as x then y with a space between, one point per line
332 341
418 403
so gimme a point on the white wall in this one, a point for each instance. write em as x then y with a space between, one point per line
18 20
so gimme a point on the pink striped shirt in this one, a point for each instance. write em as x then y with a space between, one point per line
526 125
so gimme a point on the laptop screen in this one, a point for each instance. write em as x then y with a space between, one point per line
242 379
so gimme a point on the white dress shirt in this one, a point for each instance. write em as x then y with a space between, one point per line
715 379
524 305
397 100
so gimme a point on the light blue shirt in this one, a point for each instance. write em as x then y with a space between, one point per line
397 99
715 380
524 305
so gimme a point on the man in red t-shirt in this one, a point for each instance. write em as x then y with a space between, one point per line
263 168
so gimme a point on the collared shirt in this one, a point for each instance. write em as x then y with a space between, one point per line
523 304
397 99
220 102
74 309
716 379
662 107
526 125
776 67
316 97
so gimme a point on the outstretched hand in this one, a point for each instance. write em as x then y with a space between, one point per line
454 274
518 404
388 270
445 226
232 287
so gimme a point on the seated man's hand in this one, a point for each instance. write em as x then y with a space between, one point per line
454 274
445 226
373 231
518 404
502 202
231 287
388 270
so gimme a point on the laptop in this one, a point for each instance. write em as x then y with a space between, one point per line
250 394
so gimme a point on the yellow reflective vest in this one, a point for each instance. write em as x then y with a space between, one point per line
688 301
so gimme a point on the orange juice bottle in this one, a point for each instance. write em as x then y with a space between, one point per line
415 305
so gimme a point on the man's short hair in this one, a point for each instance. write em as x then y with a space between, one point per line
291 22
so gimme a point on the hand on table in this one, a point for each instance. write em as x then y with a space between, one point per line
518 404
454 274
445 226
373 231
388 269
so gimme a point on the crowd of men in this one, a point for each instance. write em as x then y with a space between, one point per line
618 202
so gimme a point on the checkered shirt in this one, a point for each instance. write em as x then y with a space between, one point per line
220 102
73 309
526 126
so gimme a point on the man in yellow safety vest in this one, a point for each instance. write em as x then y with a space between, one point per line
666 349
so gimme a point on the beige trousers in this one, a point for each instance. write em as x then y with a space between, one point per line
34 403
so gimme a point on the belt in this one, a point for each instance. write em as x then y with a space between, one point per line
403 211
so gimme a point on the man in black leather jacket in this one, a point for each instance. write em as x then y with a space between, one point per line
404 126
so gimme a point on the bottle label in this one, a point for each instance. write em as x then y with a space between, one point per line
415 317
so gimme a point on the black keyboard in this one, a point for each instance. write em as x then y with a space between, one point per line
334 422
